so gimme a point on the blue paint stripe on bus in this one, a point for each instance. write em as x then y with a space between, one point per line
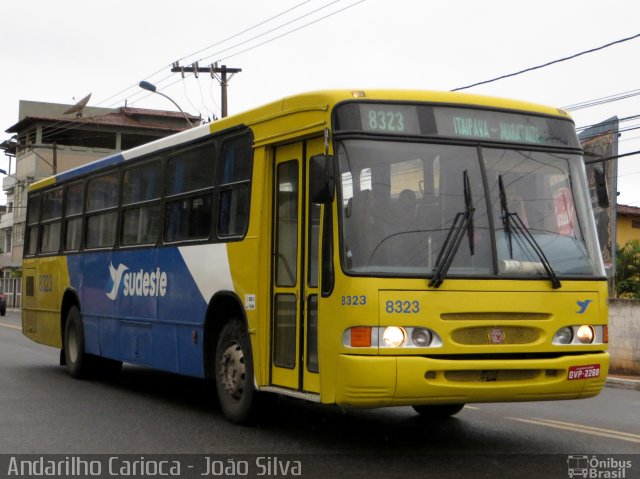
141 306
93 166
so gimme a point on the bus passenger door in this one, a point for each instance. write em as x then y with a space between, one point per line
293 361
311 287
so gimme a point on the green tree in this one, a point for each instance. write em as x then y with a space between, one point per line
628 270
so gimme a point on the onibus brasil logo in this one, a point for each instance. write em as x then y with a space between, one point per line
136 283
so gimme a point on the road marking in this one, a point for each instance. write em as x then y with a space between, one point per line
12 326
475 408
595 431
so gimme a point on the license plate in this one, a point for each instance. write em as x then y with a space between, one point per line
584 372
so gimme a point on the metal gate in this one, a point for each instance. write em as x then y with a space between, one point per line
12 288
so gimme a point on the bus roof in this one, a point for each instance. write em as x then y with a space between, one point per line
320 100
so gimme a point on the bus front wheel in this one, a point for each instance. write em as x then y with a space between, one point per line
234 374
436 411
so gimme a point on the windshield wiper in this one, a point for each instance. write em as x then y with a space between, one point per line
454 237
513 224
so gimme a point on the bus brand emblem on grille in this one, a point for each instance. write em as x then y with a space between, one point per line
497 336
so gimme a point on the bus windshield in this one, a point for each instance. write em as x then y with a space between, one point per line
401 200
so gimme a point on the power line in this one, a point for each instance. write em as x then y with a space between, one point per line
571 57
247 30
135 85
609 158
620 120
146 95
64 127
629 174
274 29
602 101
292 31
271 31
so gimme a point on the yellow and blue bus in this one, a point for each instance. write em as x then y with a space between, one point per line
365 248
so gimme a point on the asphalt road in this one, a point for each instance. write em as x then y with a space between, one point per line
146 412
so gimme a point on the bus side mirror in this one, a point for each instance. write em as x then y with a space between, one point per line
601 188
322 183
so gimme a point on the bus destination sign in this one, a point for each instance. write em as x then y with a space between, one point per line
512 132
491 125
455 122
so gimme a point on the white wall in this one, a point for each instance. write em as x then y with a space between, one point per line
624 336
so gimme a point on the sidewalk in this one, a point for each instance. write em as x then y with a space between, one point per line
624 382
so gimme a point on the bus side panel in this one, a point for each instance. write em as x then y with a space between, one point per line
203 271
142 306
86 278
45 279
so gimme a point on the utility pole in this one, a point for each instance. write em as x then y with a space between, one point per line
213 69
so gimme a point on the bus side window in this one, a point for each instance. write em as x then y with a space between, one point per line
235 178
102 197
52 221
33 217
73 216
141 222
190 179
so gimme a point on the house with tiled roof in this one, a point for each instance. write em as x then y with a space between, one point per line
627 224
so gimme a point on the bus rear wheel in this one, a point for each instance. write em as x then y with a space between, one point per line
81 365
77 361
438 411
234 374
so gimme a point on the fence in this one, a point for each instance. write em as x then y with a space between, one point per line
12 288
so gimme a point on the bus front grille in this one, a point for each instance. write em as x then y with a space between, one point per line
498 335
501 375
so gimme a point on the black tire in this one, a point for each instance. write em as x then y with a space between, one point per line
233 370
438 411
79 364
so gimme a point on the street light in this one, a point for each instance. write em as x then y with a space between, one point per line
145 85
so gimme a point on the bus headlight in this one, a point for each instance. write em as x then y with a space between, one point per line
563 336
578 335
585 334
421 337
393 337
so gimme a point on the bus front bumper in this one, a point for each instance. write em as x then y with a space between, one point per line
375 381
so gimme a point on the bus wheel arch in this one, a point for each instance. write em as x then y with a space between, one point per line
223 307
78 362
229 358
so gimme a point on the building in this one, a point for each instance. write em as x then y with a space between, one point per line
49 139
628 224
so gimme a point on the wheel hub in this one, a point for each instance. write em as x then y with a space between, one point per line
72 345
232 371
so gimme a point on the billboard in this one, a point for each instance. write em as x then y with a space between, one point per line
601 141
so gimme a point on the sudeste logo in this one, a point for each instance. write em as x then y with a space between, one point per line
136 283
583 305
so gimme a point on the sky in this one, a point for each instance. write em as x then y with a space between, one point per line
61 51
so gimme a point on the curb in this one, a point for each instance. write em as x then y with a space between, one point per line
623 383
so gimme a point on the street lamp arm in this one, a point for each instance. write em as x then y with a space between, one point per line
177 106
145 85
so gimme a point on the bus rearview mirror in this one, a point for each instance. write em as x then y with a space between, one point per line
601 188
321 179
